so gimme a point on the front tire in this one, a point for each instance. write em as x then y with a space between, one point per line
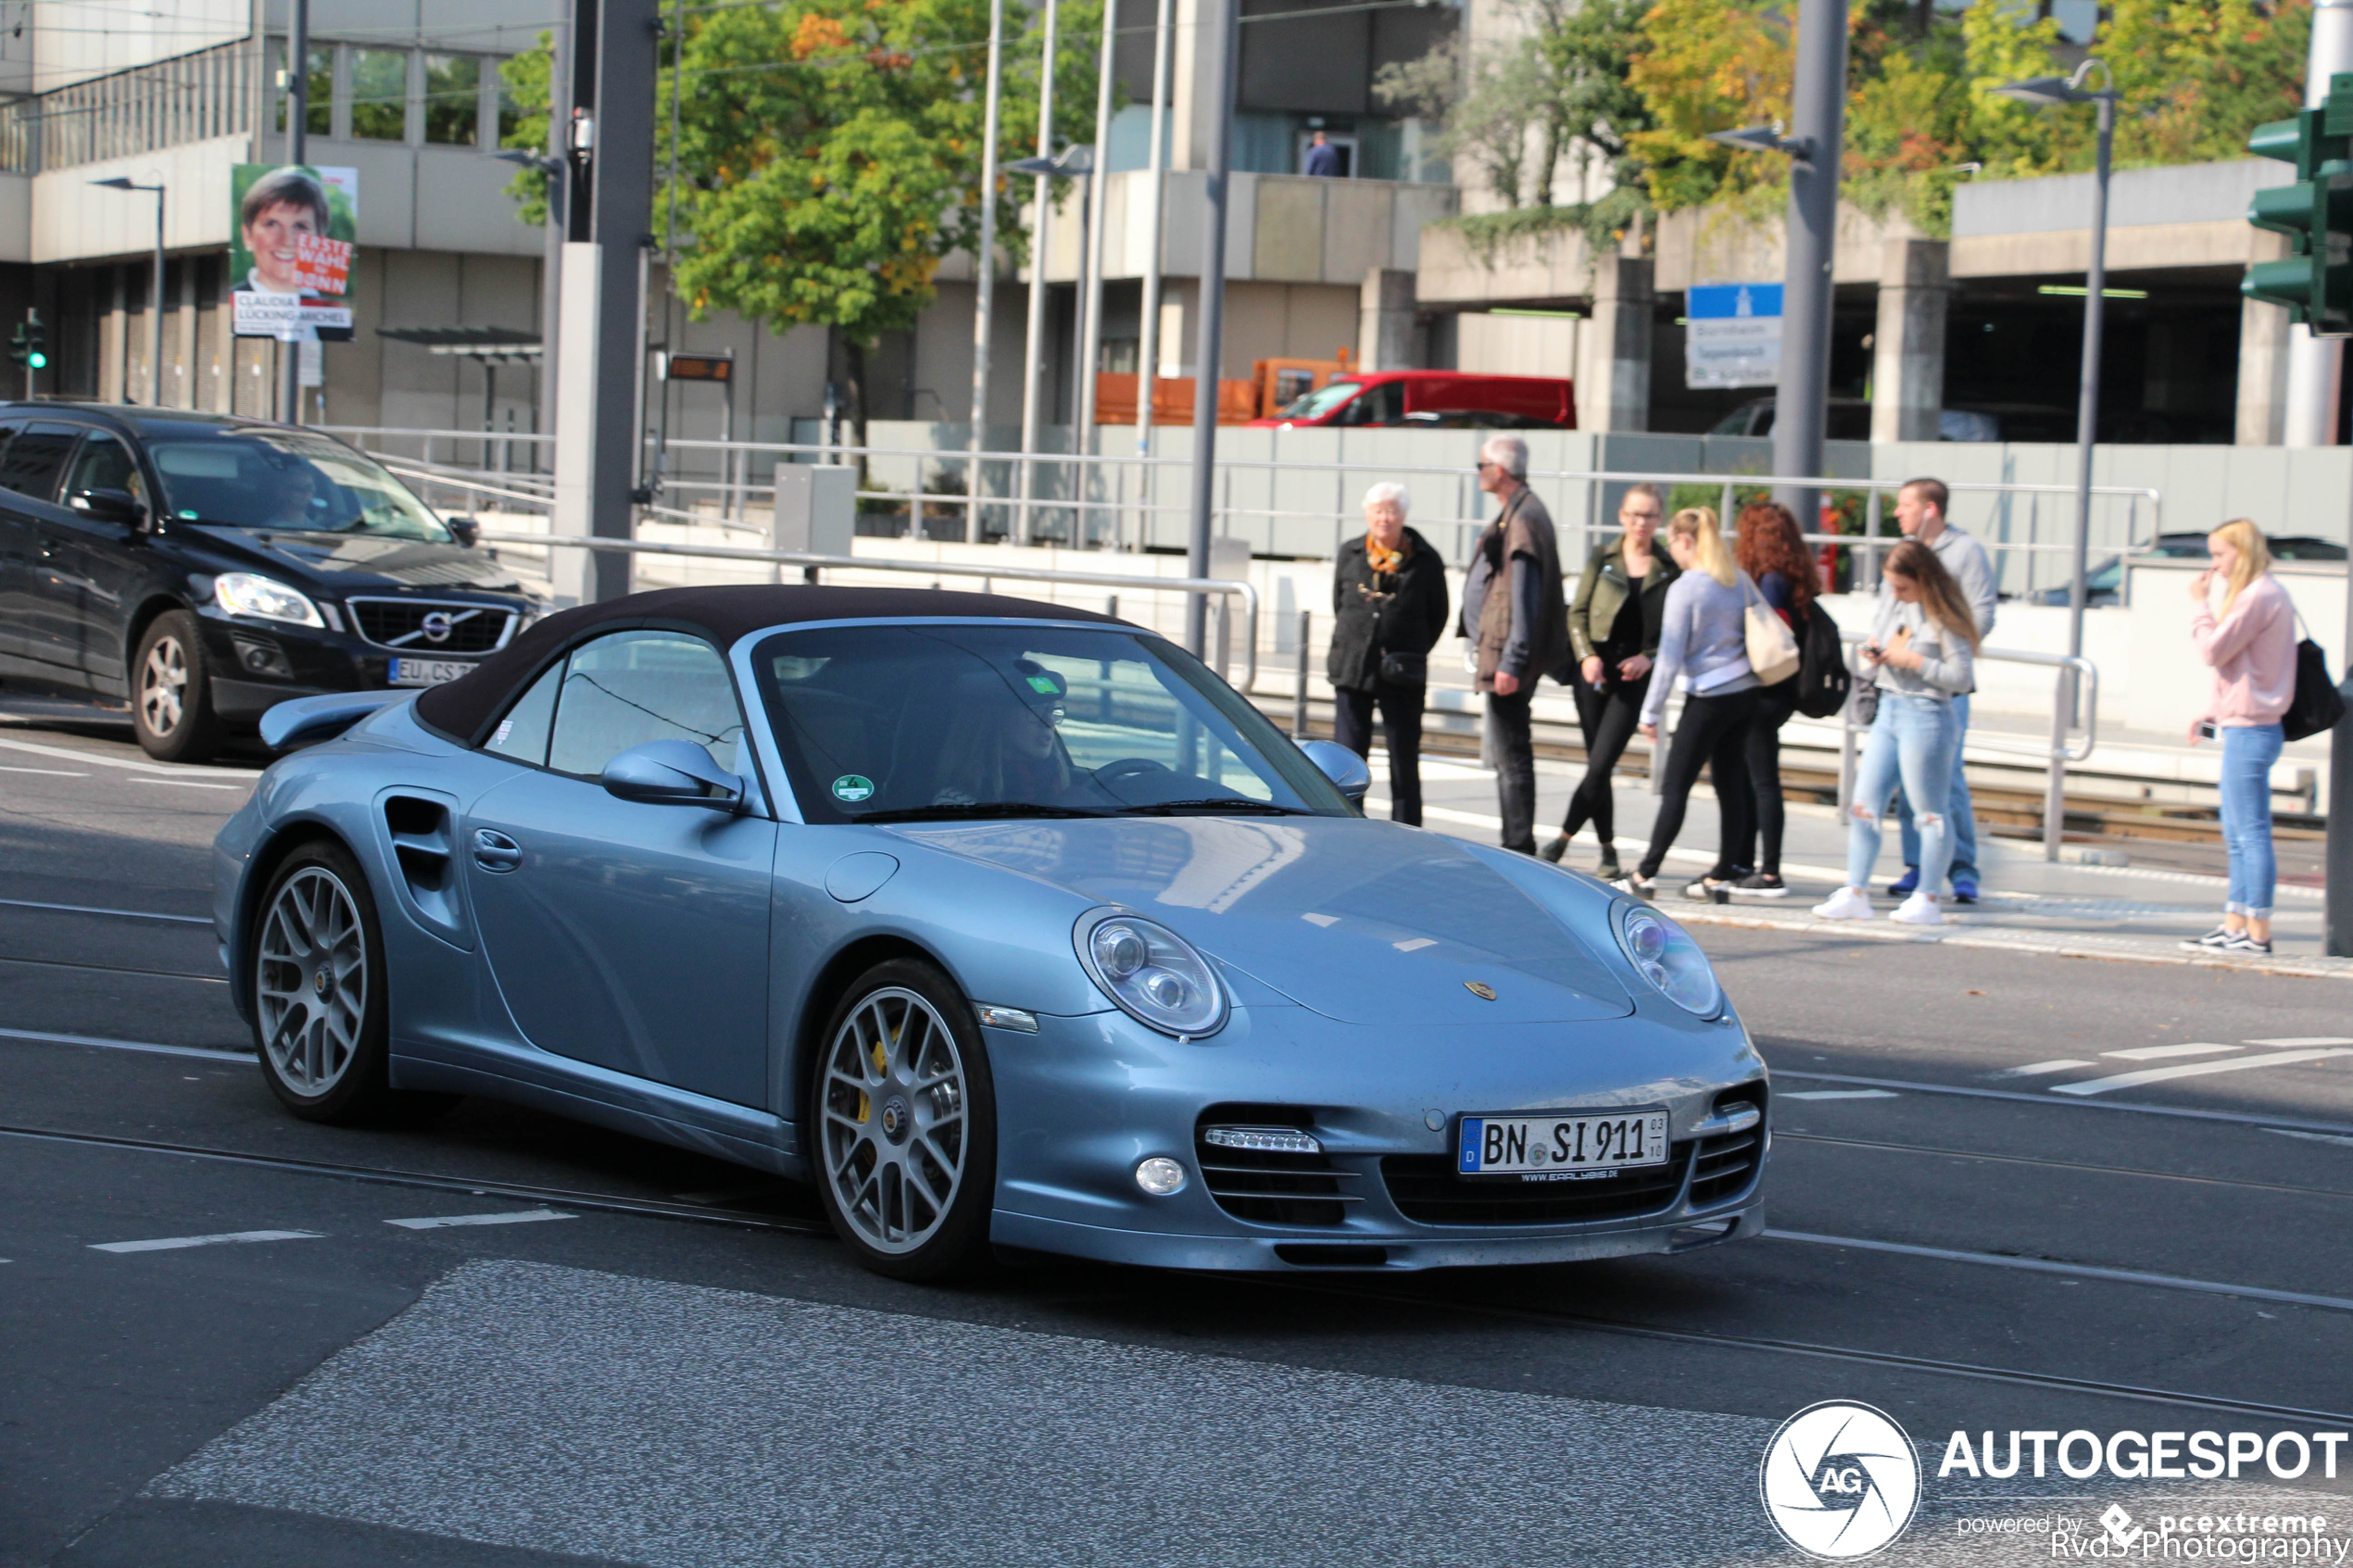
903 1125
320 1020
171 691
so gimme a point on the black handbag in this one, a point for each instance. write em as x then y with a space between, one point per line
2317 705
1405 669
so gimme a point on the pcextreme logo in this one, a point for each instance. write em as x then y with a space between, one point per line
1839 1480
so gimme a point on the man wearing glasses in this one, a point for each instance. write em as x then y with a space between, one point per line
1517 624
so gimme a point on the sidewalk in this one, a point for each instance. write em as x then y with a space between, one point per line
2028 904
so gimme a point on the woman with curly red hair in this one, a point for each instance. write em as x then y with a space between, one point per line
1772 551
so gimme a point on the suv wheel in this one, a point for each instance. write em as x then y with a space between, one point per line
171 691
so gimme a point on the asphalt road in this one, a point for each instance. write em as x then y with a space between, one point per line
654 1358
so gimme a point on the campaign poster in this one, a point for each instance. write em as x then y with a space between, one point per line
293 228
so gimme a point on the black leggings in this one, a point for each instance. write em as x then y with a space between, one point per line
1610 716
1714 734
1774 706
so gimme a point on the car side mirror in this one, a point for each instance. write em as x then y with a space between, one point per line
465 529
106 504
1341 766
672 772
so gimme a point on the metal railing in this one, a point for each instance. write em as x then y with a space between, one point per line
2067 696
1221 658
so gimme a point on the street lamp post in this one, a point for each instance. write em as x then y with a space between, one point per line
1074 161
1041 169
2044 91
154 291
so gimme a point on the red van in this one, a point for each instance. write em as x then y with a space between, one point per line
1434 399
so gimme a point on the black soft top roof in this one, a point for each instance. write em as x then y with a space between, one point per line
465 707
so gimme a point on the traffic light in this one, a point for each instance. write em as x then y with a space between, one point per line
29 345
2315 282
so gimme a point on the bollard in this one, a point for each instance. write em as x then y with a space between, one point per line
1110 606
1298 676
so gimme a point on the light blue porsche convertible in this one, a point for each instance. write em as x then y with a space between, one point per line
1004 924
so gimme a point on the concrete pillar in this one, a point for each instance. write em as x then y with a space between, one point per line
183 383
2264 337
1907 343
1384 320
1614 384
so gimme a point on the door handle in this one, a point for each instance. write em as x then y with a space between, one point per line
495 851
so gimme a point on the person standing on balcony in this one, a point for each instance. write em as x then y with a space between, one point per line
1323 158
1919 512
2252 651
1703 640
1517 626
1772 551
1613 634
1388 610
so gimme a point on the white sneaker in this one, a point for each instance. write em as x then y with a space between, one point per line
1920 909
1847 903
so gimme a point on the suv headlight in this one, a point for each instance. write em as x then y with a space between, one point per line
1663 954
264 599
1153 974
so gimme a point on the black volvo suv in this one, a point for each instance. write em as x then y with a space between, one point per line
205 568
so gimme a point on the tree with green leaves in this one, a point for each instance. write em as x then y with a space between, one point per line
828 154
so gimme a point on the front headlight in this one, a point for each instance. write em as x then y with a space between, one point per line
1665 955
264 599
1153 974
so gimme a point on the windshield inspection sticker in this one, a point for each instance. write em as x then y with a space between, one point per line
853 788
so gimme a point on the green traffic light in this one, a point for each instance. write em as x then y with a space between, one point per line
36 360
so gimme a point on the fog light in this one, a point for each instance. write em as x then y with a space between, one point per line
1160 1176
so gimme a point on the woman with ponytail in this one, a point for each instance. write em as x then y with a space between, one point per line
2252 651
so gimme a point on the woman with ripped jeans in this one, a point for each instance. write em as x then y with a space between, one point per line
1923 647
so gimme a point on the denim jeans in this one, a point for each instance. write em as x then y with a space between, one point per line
2249 751
1511 747
1956 808
1914 742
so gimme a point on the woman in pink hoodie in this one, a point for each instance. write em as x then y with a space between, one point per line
2252 649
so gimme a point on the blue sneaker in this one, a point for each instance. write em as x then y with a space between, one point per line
1909 881
1964 889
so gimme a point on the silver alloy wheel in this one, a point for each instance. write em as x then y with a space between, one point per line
311 981
895 1136
163 686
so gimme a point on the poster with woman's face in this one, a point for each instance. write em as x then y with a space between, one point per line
290 258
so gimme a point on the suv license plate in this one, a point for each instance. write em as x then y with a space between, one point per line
426 671
1576 1146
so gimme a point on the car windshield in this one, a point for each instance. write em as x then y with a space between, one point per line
916 723
286 480
1323 400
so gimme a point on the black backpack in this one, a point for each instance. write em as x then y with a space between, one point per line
1822 680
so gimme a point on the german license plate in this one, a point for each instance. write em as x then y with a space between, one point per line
427 672
1565 1146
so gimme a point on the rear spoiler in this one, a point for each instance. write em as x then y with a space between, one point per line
307 720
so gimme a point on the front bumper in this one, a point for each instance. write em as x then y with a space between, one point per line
254 665
1084 1100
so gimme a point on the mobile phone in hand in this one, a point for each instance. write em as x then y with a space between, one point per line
2205 730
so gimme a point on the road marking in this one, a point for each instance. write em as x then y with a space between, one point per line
2305 1040
139 914
125 762
2033 1068
2241 1118
514 1217
170 1243
1327 922
241 1058
1414 944
2192 1070
2195 1047
2316 1137
52 772
2082 1271
1844 1094
191 784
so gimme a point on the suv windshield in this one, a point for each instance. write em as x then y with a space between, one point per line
938 723
286 480
1323 400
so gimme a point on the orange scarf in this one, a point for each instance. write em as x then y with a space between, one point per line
1382 561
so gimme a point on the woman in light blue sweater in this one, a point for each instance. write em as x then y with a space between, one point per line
1921 654
1703 640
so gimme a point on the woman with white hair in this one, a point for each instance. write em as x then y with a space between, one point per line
1389 608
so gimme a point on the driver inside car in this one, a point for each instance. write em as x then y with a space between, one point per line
1002 743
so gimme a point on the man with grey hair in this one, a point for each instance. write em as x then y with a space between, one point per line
1517 624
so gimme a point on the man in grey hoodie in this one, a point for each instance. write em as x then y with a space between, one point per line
1919 512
